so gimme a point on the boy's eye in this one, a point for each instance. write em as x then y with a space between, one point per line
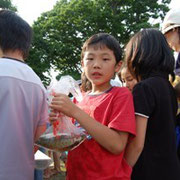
105 59
89 59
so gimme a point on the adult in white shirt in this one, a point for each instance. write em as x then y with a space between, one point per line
23 106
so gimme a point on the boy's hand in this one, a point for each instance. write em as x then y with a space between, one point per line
62 103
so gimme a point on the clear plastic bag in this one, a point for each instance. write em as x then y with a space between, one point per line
63 135
65 85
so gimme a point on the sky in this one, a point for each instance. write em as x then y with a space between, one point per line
174 4
30 10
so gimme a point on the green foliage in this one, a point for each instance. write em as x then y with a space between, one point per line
7 4
60 33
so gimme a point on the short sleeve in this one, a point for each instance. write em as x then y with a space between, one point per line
144 100
122 116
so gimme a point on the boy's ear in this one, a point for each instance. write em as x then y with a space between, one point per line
118 66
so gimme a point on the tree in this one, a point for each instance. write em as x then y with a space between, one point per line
60 33
7 4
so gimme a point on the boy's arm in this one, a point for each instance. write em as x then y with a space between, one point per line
135 147
112 140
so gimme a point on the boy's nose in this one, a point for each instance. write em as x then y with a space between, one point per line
97 64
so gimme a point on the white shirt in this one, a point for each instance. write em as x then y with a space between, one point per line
23 108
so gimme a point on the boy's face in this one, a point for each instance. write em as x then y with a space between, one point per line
128 80
99 65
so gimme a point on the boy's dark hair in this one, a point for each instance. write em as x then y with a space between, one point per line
148 52
103 40
15 33
100 40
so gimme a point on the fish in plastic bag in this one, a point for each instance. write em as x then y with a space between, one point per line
63 135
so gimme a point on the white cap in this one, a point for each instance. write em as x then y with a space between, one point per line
171 20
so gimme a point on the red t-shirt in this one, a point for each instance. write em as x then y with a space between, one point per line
90 161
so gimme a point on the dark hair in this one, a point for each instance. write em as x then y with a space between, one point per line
100 40
15 33
148 52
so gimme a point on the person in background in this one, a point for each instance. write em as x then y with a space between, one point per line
152 153
171 30
106 113
126 78
177 89
50 172
23 105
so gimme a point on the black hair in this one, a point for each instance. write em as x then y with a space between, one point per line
148 52
15 33
100 40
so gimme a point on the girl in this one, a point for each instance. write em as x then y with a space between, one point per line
106 113
126 78
153 150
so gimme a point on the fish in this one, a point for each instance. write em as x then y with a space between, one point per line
60 142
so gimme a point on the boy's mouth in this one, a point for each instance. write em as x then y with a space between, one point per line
96 74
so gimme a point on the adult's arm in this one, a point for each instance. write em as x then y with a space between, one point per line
40 129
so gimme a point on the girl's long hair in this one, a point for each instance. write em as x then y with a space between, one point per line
148 52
